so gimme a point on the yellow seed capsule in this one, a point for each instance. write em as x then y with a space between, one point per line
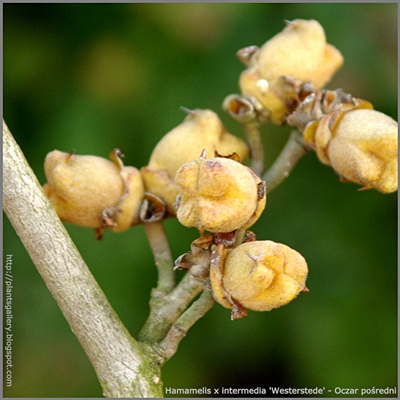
218 195
126 212
294 56
300 51
93 192
361 145
260 276
201 129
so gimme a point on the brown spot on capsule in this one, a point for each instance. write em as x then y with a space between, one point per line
238 311
226 239
250 237
261 190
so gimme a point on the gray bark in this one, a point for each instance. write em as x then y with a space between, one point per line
125 367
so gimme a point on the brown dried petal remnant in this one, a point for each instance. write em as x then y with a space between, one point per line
197 260
201 129
218 195
317 104
93 192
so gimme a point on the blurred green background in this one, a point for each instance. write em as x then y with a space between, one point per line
92 77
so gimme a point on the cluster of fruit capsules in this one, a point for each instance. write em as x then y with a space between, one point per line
278 72
94 192
283 81
358 142
218 194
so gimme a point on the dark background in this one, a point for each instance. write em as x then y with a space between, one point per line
92 77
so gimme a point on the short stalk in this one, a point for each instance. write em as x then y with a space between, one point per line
240 234
168 309
254 138
162 255
169 345
287 159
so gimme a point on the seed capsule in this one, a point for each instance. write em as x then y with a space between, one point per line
300 51
93 192
218 195
201 129
278 70
360 144
260 276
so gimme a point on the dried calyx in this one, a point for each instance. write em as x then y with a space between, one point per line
92 191
201 129
319 103
197 260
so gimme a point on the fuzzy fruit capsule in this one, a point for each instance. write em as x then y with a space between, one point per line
201 129
300 51
361 145
218 195
294 56
92 191
260 276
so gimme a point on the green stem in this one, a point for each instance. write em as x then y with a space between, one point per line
254 138
287 159
163 258
169 345
240 234
167 303
167 310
